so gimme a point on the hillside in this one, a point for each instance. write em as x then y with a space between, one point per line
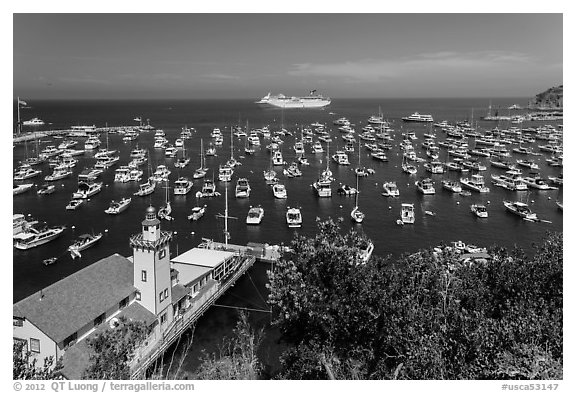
549 99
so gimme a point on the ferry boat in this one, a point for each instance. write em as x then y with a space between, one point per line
20 188
475 183
425 186
242 188
255 215
146 188
416 117
33 122
452 186
36 237
197 213
390 189
279 191
407 214
310 101
86 190
182 186
84 241
118 207
293 217
74 204
479 210
520 209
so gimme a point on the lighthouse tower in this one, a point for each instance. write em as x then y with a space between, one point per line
151 253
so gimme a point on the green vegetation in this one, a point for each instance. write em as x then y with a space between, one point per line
112 350
422 317
550 99
24 365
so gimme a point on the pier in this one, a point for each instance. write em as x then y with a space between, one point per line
162 338
33 135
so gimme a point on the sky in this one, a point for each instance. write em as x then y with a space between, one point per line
68 56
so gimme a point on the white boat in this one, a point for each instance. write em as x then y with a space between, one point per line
277 158
36 237
225 173
33 122
407 167
294 217
407 213
171 152
242 188
310 101
89 174
26 172
475 183
270 176
20 225
434 167
209 188
390 189
46 189
197 213
92 143
340 157
135 174
182 186
279 191
86 190
146 188
164 211
538 183
74 204
366 250
317 147
117 207
356 215
20 188
161 173
122 174
425 186
323 187
479 210
520 209
106 162
510 181
84 241
255 215
347 190
416 117
452 186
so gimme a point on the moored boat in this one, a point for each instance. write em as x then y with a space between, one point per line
37 236
294 217
82 243
479 210
117 207
255 215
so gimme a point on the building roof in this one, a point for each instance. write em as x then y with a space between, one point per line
69 304
190 273
203 257
178 292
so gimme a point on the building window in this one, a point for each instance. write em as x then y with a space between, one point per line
144 276
163 318
166 293
99 319
162 253
161 296
138 296
124 302
195 289
18 322
71 339
34 345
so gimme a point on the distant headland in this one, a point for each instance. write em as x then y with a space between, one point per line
549 99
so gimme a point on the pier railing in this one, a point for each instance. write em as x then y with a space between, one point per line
161 338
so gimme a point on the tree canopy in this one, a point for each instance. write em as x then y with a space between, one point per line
425 316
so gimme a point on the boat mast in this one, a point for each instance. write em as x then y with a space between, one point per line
19 125
201 153
226 234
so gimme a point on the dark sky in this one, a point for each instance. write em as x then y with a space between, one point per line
247 55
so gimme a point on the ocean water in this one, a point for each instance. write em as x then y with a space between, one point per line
453 220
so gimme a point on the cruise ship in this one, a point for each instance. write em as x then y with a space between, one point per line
417 117
312 100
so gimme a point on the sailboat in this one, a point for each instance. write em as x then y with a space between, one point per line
201 172
248 149
182 161
164 211
232 162
270 174
360 170
356 214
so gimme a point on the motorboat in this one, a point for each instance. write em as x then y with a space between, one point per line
58 174
20 188
46 189
479 210
323 187
277 158
26 172
74 204
475 183
161 173
135 174
82 243
366 249
294 217
528 164
317 147
92 143
242 188
520 209
171 152
347 190
122 174
390 189
37 236
209 188
89 174
182 186
379 155
538 183
510 181
106 162
407 213
292 171
270 176
33 122
117 207
452 186
20 224
434 167
255 215
279 191
408 168
86 190
225 173
197 213
426 186
146 188
340 157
